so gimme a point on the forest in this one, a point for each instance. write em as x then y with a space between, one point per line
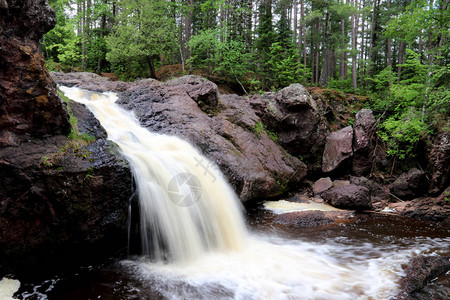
394 52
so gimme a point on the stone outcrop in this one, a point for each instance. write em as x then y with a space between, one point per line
338 148
295 116
224 127
363 143
29 104
61 200
409 185
61 197
348 196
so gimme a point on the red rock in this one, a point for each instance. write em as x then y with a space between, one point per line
337 149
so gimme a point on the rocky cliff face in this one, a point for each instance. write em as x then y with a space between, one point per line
60 199
225 128
29 104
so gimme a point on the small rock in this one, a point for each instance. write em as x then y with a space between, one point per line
322 185
349 197
338 183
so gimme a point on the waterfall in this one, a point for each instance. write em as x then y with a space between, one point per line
193 229
186 206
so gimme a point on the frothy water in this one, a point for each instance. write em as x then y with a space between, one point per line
186 206
8 287
193 229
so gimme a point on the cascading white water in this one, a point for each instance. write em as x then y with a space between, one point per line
190 215
186 206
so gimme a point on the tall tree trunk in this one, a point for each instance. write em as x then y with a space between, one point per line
354 45
362 58
372 36
83 36
401 51
295 34
342 61
102 34
389 42
151 66
303 36
187 31
326 57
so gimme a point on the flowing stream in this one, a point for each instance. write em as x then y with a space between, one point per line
196 245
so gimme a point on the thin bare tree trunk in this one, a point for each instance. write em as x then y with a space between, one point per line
401 50
354 45
187 31
341 61
295 23
362 58
372 33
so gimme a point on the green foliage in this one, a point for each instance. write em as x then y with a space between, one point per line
46 161
410 106
343 85
285 66
143 33
259 128
402 132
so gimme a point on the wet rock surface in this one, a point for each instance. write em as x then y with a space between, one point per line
224 127
59 198
312 218
62 198
421 271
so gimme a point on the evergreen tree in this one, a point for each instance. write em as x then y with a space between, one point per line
143 33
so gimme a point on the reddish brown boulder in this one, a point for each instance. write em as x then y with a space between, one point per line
409 185
349 197
29 104
337 149
295 116
363 142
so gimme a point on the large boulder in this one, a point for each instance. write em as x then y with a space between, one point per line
363 142
62 198
295 116
338 148
224 127
348 196
29 104
409 185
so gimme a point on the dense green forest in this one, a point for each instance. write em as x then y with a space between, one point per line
395 51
